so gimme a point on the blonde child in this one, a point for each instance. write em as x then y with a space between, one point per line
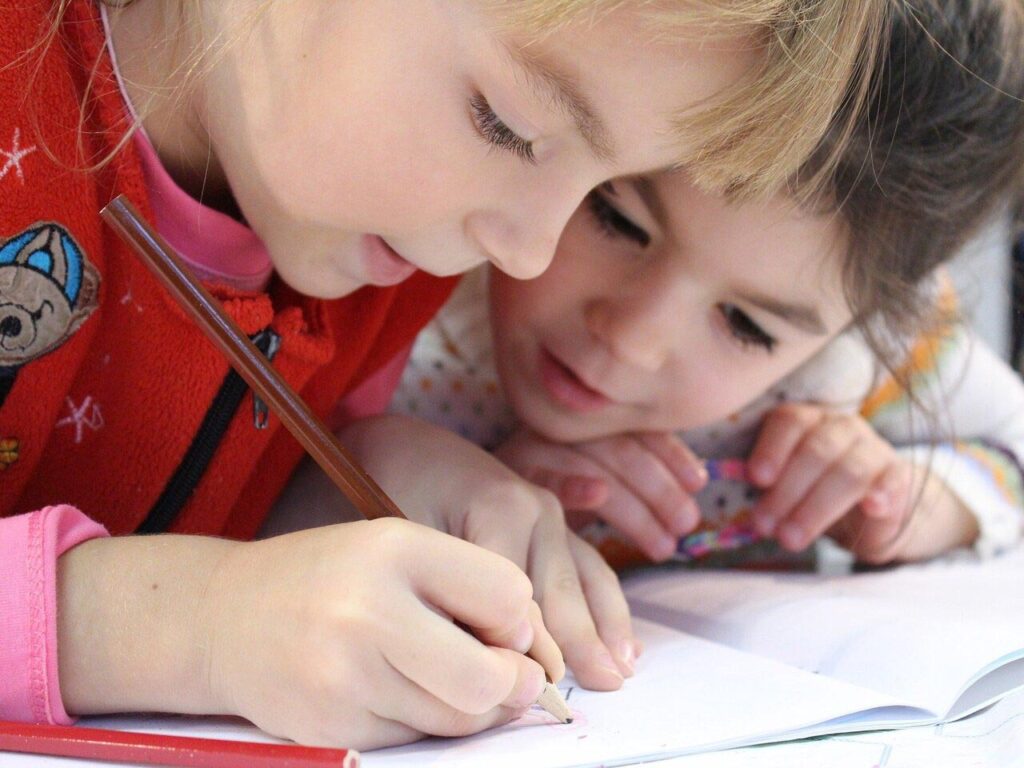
673 323
309 158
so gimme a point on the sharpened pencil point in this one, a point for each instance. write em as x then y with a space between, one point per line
551 701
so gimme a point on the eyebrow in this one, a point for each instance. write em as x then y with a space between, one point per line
800 316
564 91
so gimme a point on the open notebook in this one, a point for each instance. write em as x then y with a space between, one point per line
736 659
743 658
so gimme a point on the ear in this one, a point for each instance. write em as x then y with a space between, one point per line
88 297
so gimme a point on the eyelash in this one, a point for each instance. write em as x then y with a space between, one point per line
496 133
744 330
613 223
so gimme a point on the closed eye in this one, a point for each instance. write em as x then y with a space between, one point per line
744 329
613 222
494 131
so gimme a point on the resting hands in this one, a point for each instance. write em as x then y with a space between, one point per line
821 471
642 484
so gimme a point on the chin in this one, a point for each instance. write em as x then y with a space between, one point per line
556 425
334 286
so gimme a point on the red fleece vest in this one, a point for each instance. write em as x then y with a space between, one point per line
104 382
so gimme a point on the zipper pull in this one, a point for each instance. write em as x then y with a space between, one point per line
268 342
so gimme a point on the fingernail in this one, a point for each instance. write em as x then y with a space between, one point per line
762 472
879 503
522 639
791 536
606 662
693 511
664 548
626 653
763 523
581 490
695 475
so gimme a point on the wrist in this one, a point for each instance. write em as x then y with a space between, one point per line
133 626
940 522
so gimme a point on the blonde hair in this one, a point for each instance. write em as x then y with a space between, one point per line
818 59
752 138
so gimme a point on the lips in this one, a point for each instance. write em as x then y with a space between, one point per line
384 266
566 388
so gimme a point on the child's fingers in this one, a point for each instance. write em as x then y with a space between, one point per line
644 474
890 495
839 489
607 604
576 480
502 519
676 455
818 450
475 586
782 431
634 519
567 613
880 530
404 701
457 668
578 492
545 650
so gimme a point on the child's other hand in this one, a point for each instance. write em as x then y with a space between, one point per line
346 635
828 472
640 484
938 523
816 466
440 479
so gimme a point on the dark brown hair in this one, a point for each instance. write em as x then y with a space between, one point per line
938 153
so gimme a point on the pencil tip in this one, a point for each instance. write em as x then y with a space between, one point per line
551 701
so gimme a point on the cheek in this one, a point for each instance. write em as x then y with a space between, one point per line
401 173
713 391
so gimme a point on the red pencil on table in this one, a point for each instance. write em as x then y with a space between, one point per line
159 749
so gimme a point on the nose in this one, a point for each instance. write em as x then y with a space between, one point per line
641 329
520 236
10 326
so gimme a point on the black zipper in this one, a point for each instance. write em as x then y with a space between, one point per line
208 437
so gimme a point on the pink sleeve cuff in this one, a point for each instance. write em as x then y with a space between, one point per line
373 395
29 547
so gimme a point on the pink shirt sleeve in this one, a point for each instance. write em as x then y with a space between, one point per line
29 547
373 395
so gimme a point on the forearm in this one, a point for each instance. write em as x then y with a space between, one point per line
132 624
987 483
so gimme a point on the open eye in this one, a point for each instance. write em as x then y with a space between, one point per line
744 329
38 314
496 133
613 222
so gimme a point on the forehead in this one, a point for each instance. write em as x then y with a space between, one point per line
639 81
771 244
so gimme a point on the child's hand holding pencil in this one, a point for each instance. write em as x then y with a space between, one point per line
482 501
344 635
349 634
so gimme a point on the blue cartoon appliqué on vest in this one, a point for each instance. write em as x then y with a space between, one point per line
47 290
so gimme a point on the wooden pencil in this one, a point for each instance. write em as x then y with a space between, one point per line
221 329
340 466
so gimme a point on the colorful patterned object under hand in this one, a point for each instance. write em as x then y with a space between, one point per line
730 528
